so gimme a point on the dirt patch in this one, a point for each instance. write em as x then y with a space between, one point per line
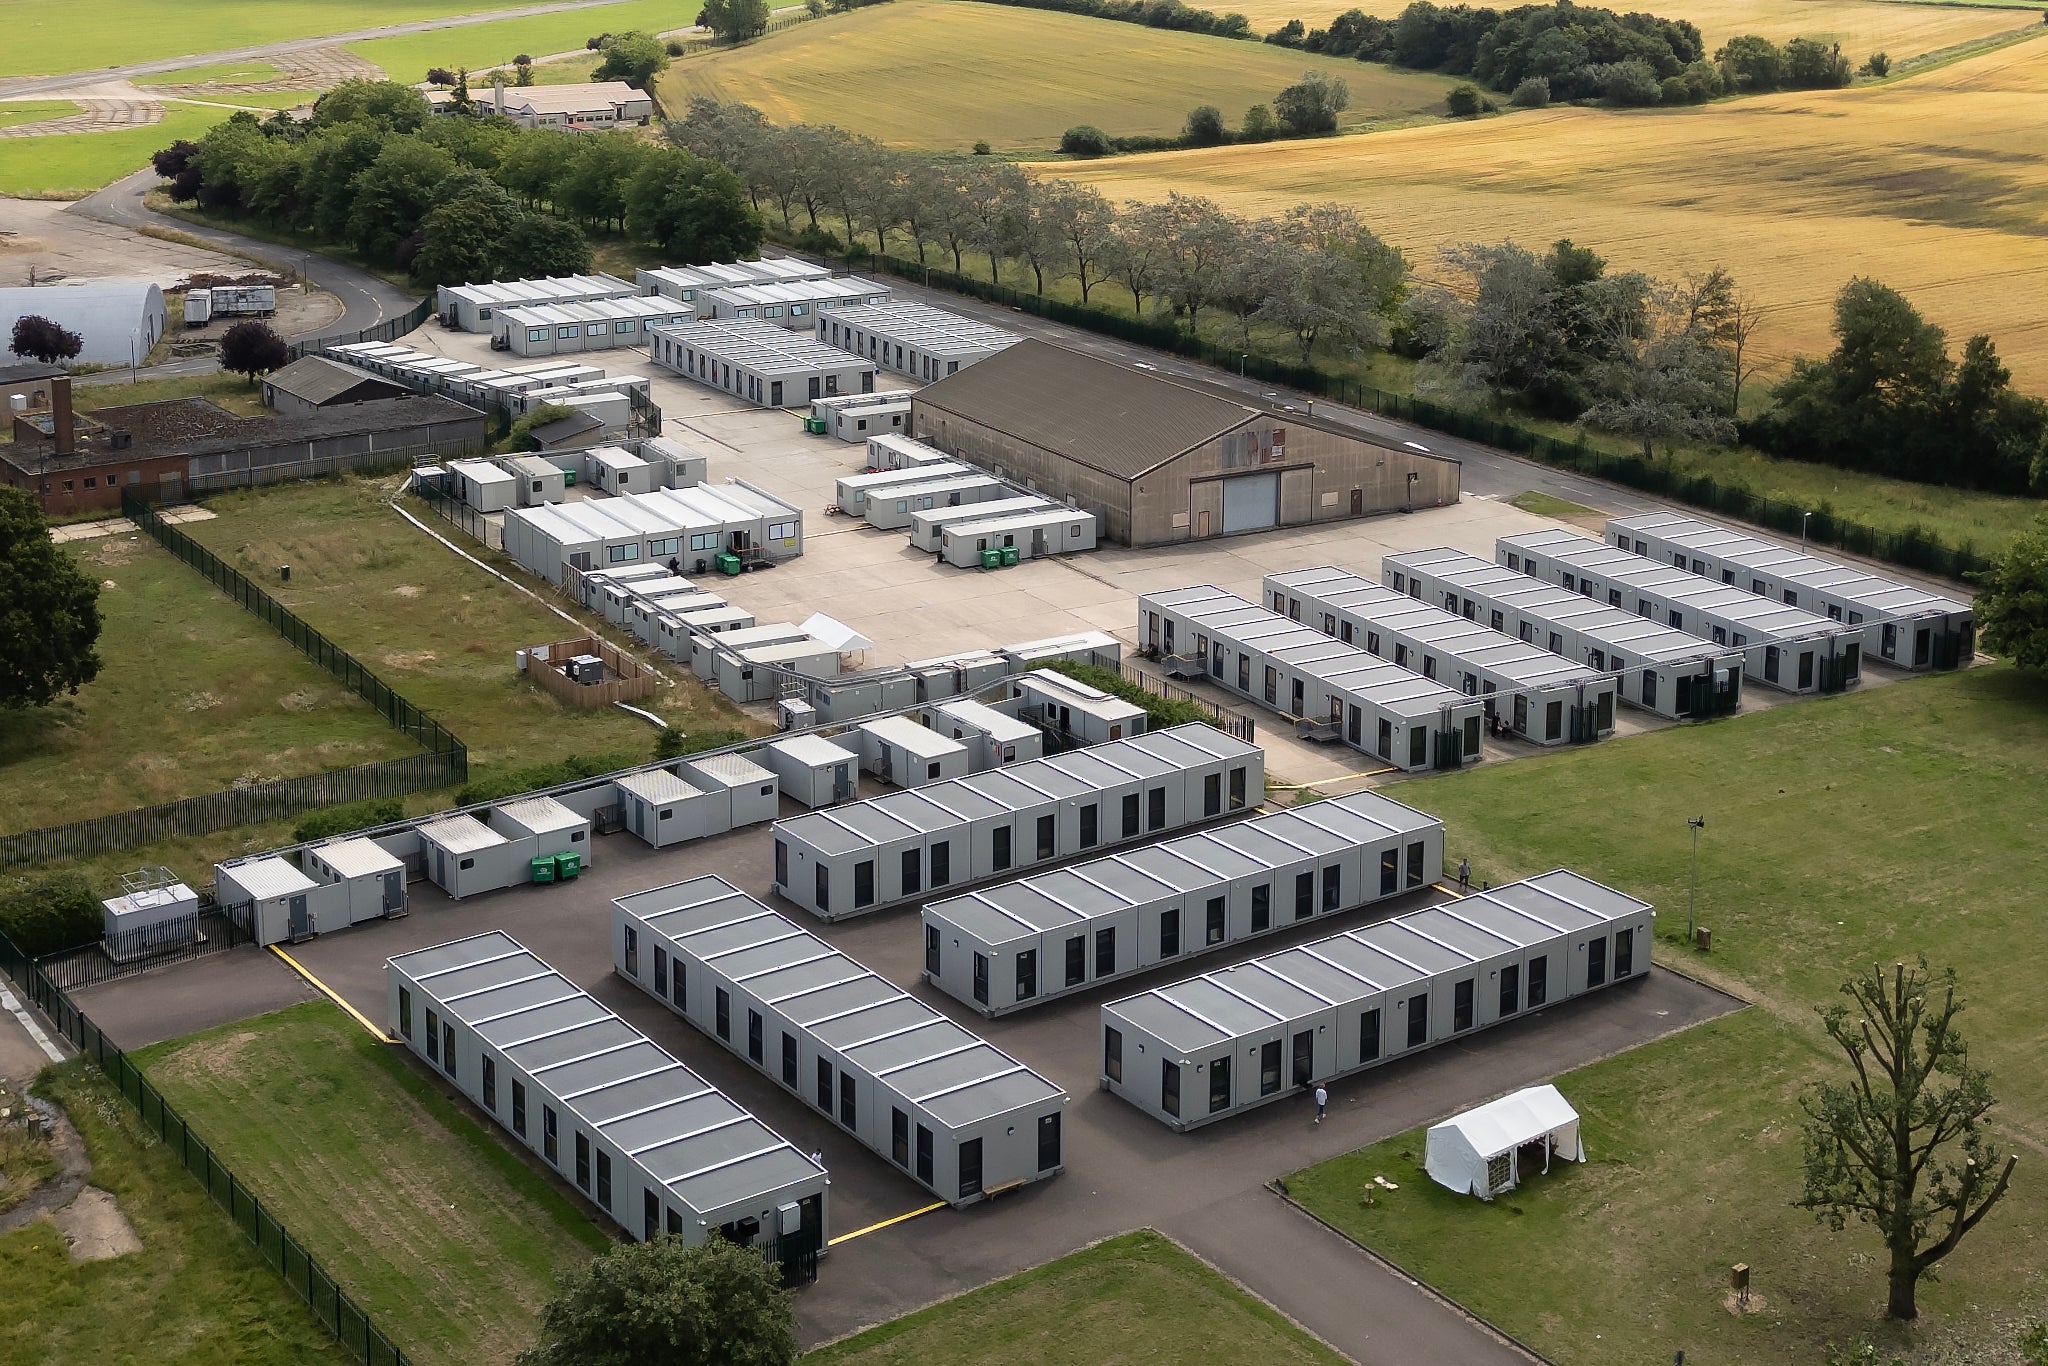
202 701
299 701
409 659
221 1056
407 590
1740 1305
95 1227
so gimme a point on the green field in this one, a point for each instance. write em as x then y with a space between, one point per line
72 165
262 99
194 694
1136 1299
222 73
13 115
436 628
1016 77
435 1227
475 46
1840 833
196 1295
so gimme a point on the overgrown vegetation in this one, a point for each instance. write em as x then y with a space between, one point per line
676 743
1160 712
44 914
512 782
49 611
347 819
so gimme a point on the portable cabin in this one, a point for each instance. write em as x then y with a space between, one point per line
706 651
483 484
655 1146
596 325
1020 944
146 917
542 828
812 770
1479 1152
689 282
957 675
993 738
890 451
583 535
1905 625
791 304
662 809
742 792
928 525
774 527
961 1117
472 308
865 692
888 413
917 340
682 467
1784 647
1054 530
759 673
650 616
371 877
1072 710
538 481
1083 647
1656 667
1213 1046
615 470
284 904
714 621
466 857
1328 690
853 491
758 361
1539 696
892 509
870 855
898 750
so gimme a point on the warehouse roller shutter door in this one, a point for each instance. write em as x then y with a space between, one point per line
1251 503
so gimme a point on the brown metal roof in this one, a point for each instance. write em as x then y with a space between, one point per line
316 379
1097 413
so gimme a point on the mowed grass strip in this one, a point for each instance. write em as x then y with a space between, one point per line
436 1229
220 73
1841 833
196 1294
73 165
193 695
16 113
1017 78
434 626
1137 1298
407 57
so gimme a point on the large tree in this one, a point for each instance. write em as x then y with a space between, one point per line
1311 105
51 617
733 20
40 338
694 210
2012 600
1900 1143
634 57
661 1303
252 348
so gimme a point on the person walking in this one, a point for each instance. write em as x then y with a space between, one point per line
1322 1102
1464 876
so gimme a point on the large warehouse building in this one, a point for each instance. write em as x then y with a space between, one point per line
1166 461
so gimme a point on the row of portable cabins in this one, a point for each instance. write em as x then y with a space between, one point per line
884 413
688 282
1228 1041
654 1145
962 1118
1656 667
888 850
898 687
689 526
912 339
470 307
663 611
330 887
541 478
564 384
1330 690
791 304
1019 944
1783 646
1539 696
596 325
759 362
1903 624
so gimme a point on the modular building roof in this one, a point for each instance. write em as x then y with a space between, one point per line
357 857
461 834
931 330
268 876
759 347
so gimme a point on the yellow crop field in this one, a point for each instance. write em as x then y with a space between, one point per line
1934 185
929 74
1860 26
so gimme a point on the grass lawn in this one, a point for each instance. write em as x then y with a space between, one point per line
16 113
1547 505
196 1295
435 627
221 73
441 1233
232 392
1017 77
568 71
1840 833
1137 1298
406 58
259 99
194 694
73 165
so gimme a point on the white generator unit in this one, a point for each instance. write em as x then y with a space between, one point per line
229 301
154 911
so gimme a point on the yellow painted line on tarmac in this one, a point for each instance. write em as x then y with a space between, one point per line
1339 778
331 994
876 1228
1455 896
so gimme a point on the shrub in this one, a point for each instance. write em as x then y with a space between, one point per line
1878 65
1533 93
1085 140
593 44
819 242
674 743
981 148
1160 712
499 786
347 819
51 913
440 75
1467 101
1258 125
815 8
522 60
1630 83
675 47
1812 65
1290 34
1204 127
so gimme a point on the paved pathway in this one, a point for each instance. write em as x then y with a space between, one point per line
94 116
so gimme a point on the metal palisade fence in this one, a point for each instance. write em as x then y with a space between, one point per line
386 330
274 1243
1911 549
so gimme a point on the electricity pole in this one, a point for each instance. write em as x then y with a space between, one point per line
1698 823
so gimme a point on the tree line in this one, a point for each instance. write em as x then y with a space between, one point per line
1306 109
461 197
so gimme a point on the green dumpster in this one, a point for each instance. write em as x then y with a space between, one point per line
1009 554
728 563
815 426
567 866
991 558
544 869
569 479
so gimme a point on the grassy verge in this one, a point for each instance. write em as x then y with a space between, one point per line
1867 828
221 73
26 1161
35 111
440 1232
232 392
196 1295
193 695
1546 505
1138 1298
73 165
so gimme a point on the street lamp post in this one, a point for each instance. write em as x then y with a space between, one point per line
1804 518
1698 823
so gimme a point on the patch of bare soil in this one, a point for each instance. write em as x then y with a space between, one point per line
95 1227
407 590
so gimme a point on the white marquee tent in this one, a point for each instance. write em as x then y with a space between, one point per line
1479 1152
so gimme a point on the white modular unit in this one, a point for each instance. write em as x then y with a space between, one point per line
1072 710
371 877
790 304
898 750
1020 944
483 484
662 809
928 526
758 674
1535 694
874 854
917 340
706 651
888 414
892 509
1327 689
1083 647
742 792
539 482
283 904
957 675
688 283
150 917
759 362
1657 668
966 1120
854 491
615 470
1783 646
1231 1040
772 526
683 467
812 770
656 1147
541 827
993 738
1903 624
595 325
465 856
892 452
1054 530
472 308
